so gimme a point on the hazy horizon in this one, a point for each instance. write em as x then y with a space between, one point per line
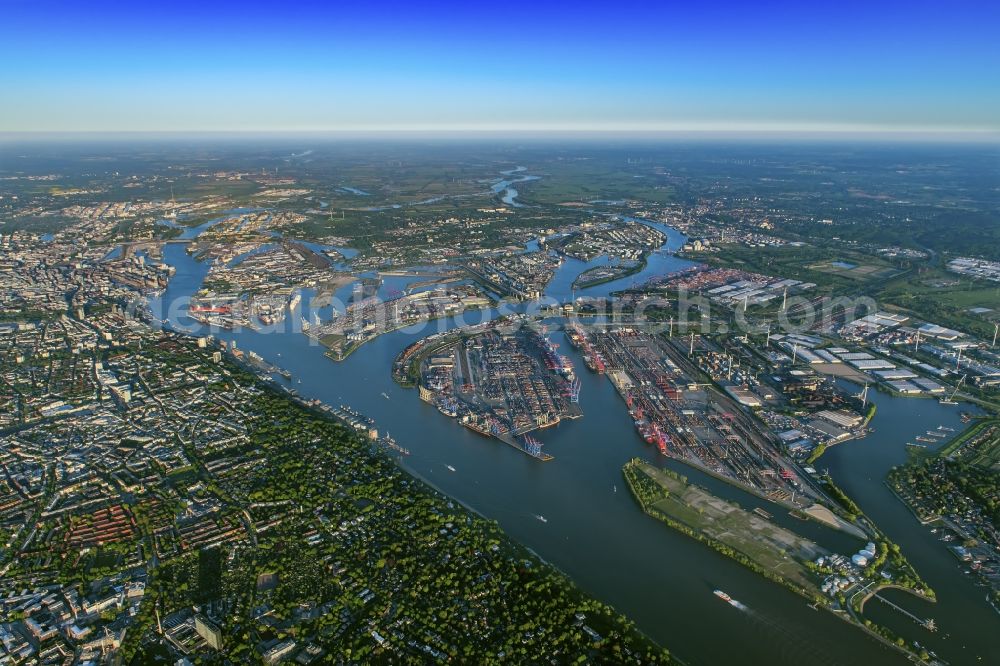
961 137
719 67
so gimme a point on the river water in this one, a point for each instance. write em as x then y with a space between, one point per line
967 627
594 530
658 263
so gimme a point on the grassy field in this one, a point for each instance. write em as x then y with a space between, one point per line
925 292
945 298
772 547
979 445
583 180
858 272
988 453
806 263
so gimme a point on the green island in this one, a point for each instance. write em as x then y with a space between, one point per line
603 274
776 553
771 551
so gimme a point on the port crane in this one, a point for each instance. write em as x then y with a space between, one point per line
863 396
950 400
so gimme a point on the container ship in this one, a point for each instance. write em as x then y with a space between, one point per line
594 362
650 431
476 426
554 361
486 425
591 357
447 406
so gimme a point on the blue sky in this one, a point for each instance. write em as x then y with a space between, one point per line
185 66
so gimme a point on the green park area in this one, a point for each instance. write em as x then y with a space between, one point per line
569 182
917 289
769 549
835 271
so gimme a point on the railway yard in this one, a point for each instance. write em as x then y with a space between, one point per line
503 385
683 417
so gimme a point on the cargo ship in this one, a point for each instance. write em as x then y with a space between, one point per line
209 309
493 428
594 362
476 426
554 361
578 340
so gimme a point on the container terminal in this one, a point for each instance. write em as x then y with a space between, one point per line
503 385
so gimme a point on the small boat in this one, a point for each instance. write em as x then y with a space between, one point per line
729 600
385 395
450 468
541 518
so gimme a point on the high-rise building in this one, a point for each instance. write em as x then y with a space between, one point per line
208 631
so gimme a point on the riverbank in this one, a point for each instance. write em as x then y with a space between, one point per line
582 282
732 532
754 542
956 488
513 490
811 512
337 352
406 365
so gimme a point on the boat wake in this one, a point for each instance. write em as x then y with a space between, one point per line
729 600
793 645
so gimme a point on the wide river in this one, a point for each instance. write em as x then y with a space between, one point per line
596 534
